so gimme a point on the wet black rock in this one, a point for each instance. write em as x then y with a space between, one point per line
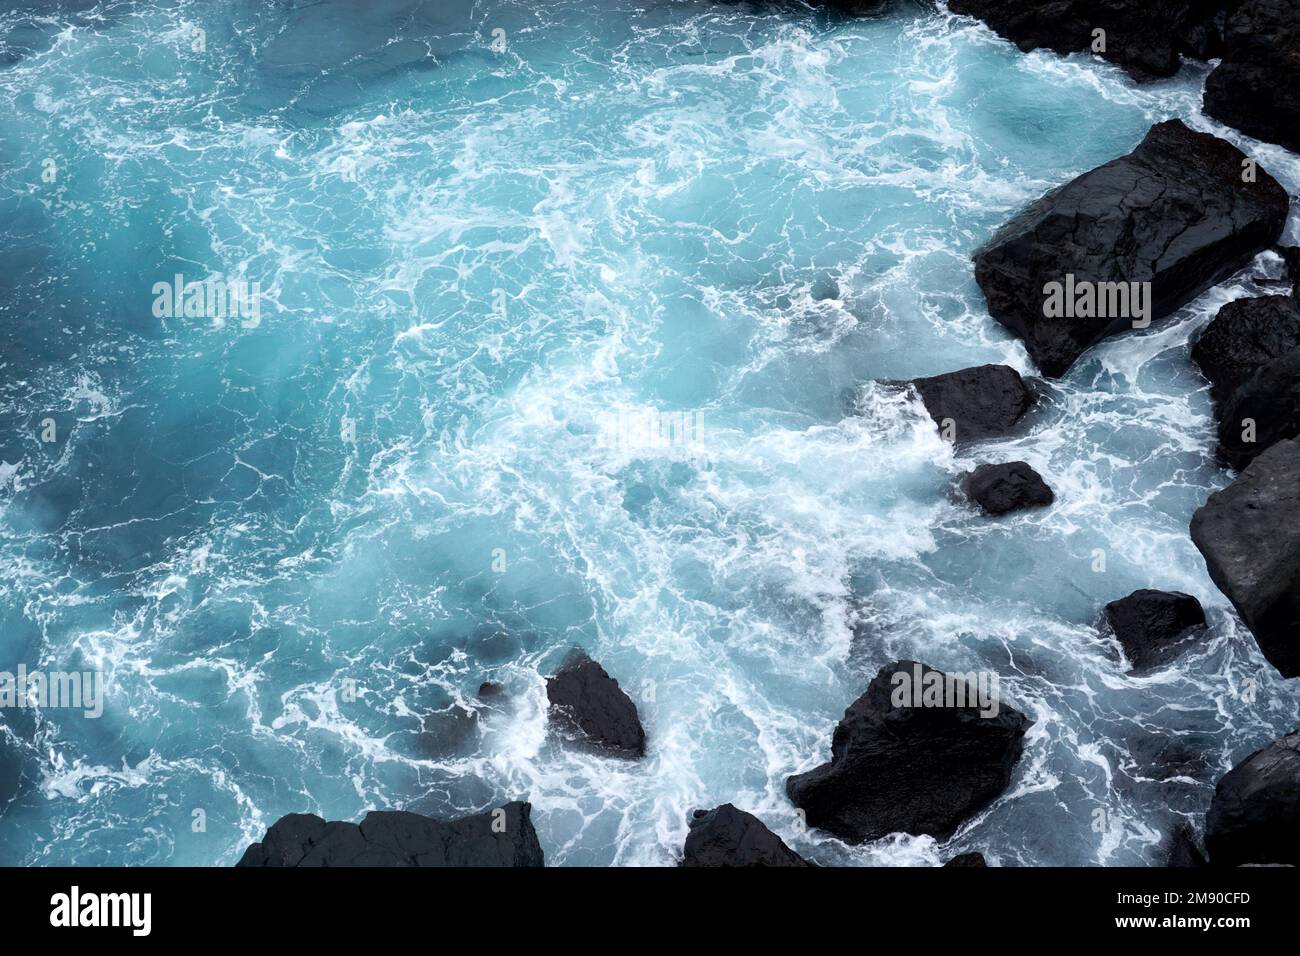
1153 626
976 403
967 859
1249 534
1004 488
1174 213
488 690
726 836
1255 814
1245 336
1180 848
896 767
587 703
1145 37
499 837
1291 256
1262 412
1257 86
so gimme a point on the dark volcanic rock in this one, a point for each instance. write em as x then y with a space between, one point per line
1249 534
503 837
1291 256
909 769
1257 86
587 702
967 859
1255 814
1179 849
1152 626
982 402
1143 36
1263 412
1245 336
1174 213
730 837
1000 489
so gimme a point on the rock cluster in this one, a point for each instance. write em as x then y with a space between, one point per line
500 837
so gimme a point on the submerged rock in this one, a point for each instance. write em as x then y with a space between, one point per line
824 289
726 836
587 702
1153 626
1257 86
1249 534
975 403
1255 814
897 767
1145 37
452 732
500 837
1262 412
966 860
1245 336
1001 489
1180 848
1174 213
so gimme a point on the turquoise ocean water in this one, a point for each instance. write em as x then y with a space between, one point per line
295 547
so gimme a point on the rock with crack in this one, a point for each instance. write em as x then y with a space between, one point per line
1262 412
1004 488
587 704
902 765
1249 534
1153 627
1174 213
1145 37
1255 815
1245 336
975 403
1257 86
500 837
726 836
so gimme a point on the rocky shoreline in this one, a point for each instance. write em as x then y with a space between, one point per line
1181 213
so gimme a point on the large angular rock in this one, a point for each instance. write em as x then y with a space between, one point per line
501 837
726 836
1255 814
1174 213
1245 336
897 767
1257 86
976 403
1262 412
588 704
1153 626
1249 534
967 860
1002 489
1145 37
